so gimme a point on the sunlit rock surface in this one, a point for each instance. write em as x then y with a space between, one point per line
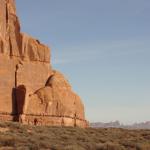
30 90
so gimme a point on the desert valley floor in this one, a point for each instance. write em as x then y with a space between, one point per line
15 136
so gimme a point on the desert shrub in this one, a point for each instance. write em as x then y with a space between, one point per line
128 144
142 146
3 125
109 146
73 147
113 146
101 146
7 141
7 148
54 147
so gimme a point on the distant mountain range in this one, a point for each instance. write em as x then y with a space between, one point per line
117 124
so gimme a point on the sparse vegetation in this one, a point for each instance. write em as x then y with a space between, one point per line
14 136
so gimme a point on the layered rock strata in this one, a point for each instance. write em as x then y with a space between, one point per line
31 92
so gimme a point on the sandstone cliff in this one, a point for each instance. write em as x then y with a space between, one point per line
30 90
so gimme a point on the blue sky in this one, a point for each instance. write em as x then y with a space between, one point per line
102 47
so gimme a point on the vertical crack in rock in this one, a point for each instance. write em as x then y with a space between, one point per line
17 67
6 15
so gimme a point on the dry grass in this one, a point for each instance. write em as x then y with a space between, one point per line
14 136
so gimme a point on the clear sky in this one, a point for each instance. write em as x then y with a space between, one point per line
102 47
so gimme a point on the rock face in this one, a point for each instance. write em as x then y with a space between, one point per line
32 92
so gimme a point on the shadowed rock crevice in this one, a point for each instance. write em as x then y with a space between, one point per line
20 98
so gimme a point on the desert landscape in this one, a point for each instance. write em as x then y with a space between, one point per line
39 109
14 136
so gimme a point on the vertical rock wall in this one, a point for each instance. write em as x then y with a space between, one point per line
30 91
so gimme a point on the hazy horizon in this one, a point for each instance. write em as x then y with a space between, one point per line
102 47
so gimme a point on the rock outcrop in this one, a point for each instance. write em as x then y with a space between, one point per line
32 92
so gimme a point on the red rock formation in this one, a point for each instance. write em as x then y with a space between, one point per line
30 90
